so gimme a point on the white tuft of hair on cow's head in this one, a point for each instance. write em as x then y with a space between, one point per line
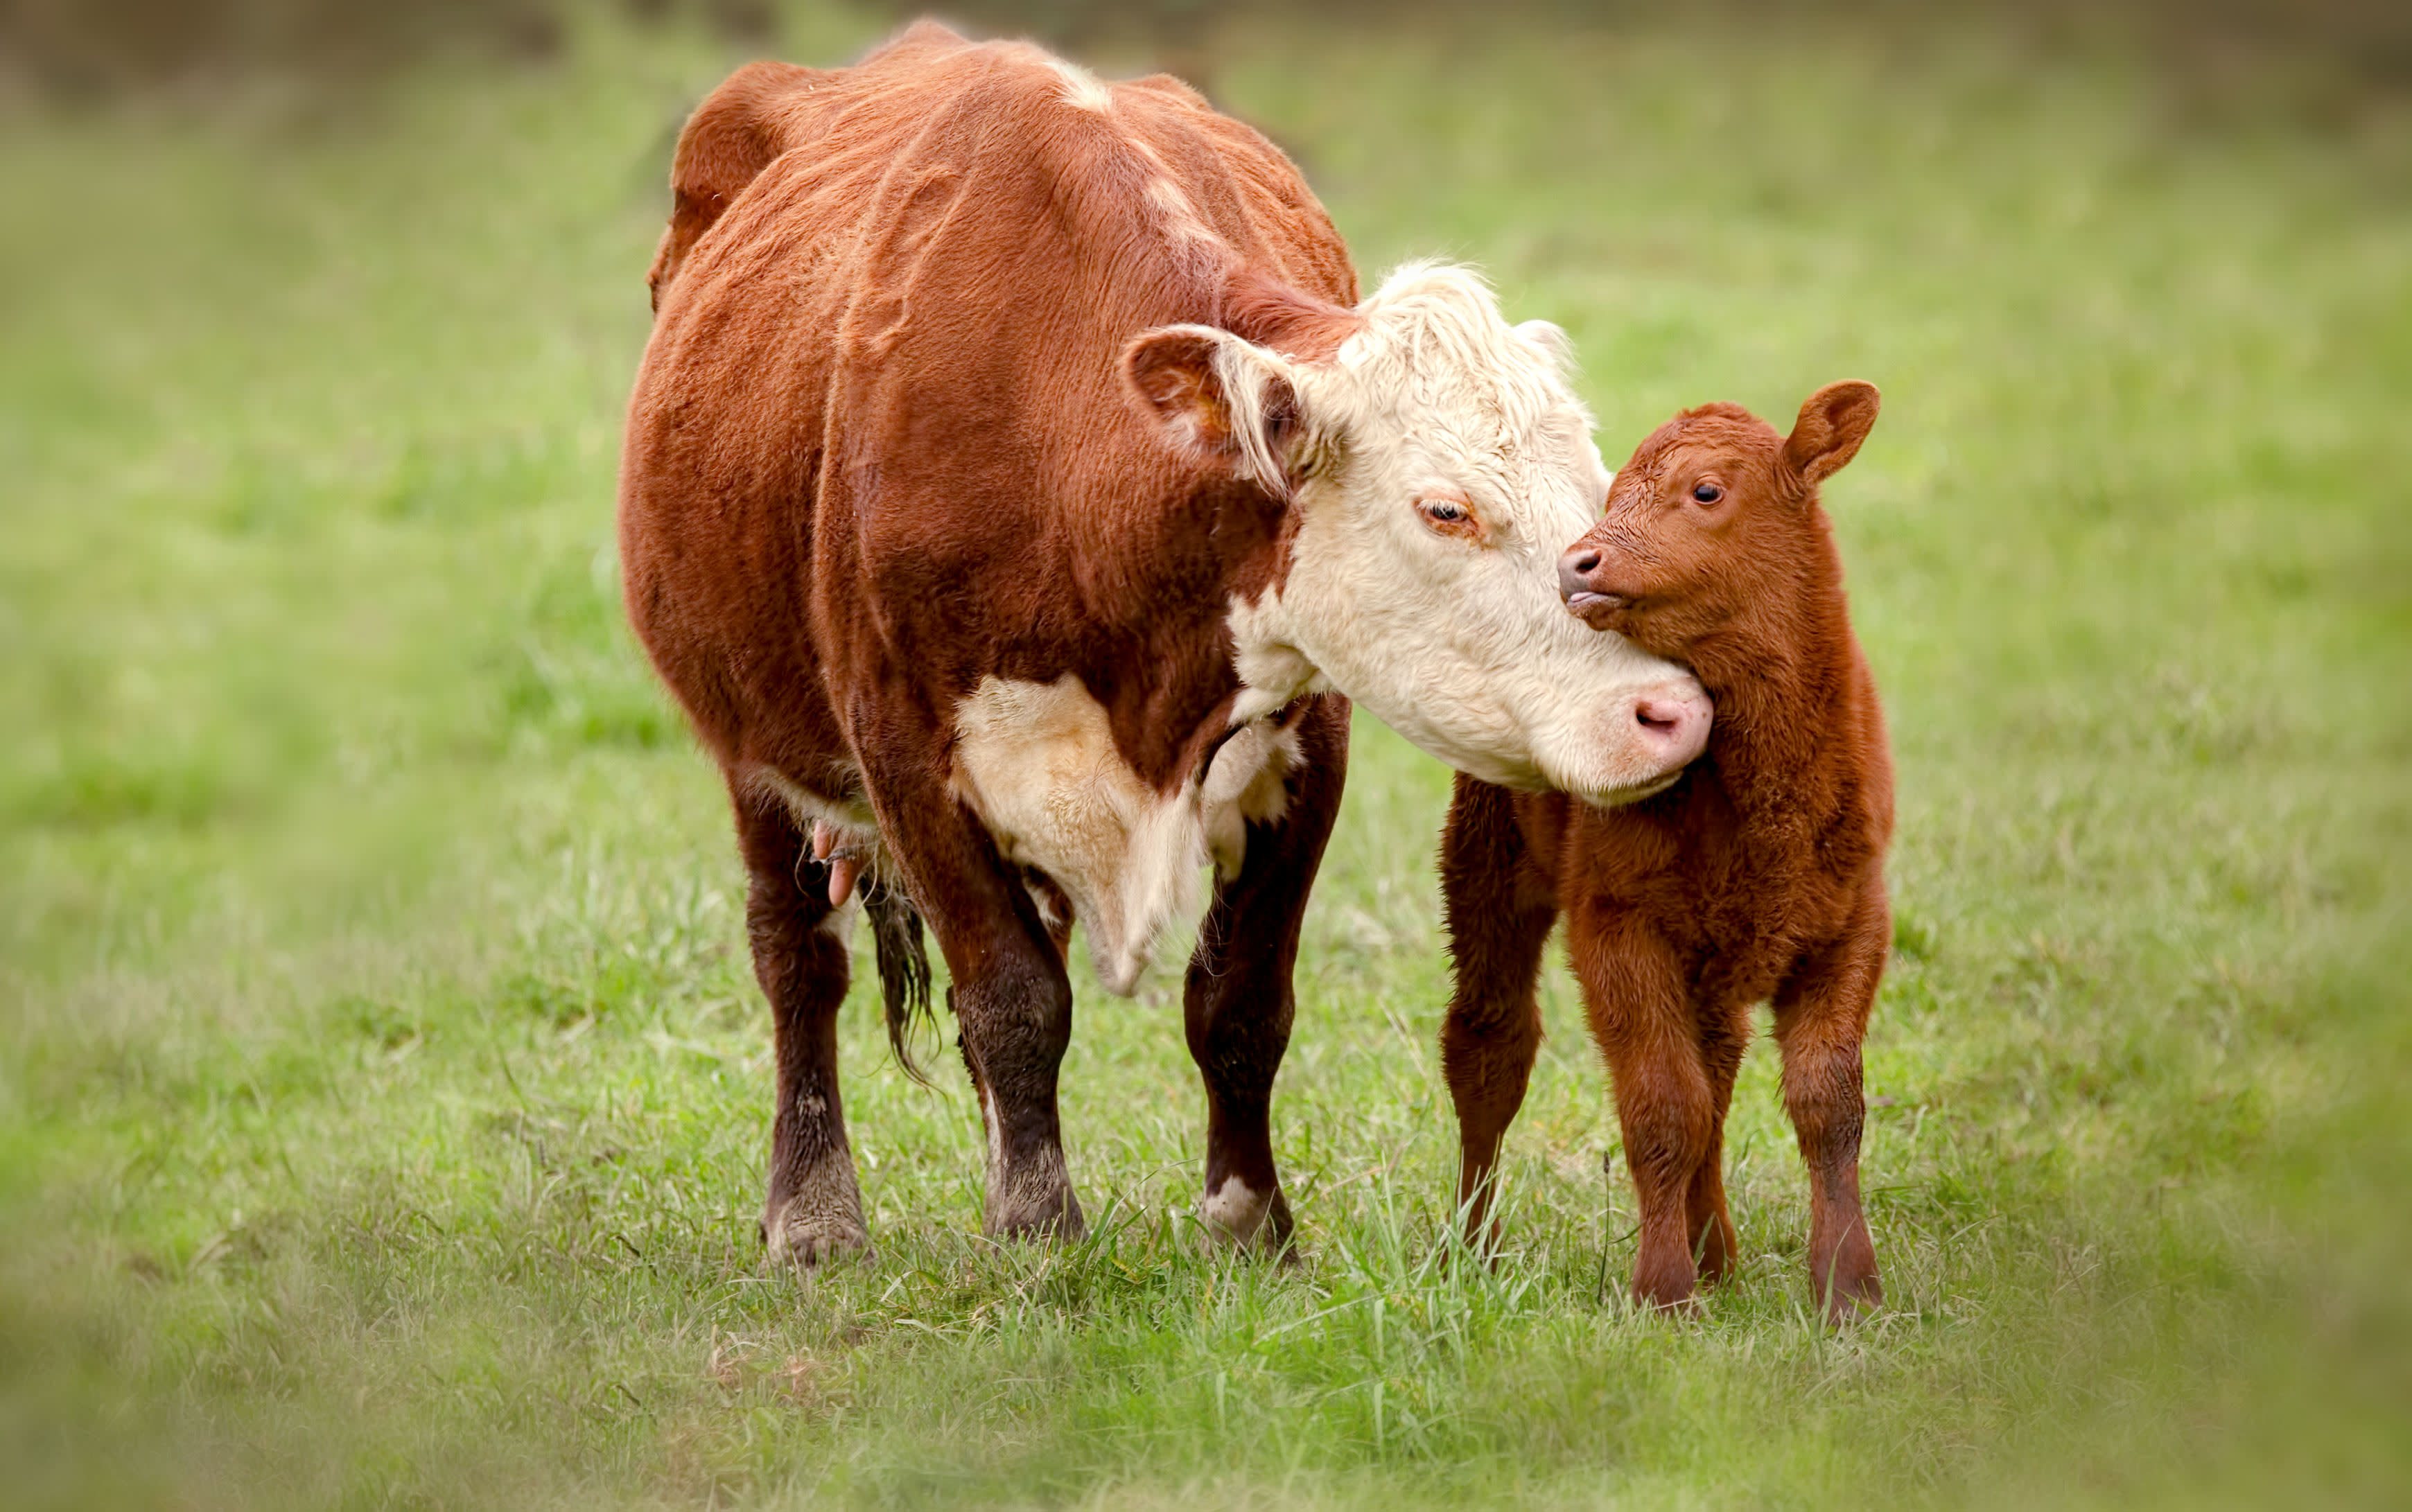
1439 462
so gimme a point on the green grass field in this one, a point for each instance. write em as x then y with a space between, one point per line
384 1088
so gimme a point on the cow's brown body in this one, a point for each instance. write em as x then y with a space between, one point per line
881 454
1757 876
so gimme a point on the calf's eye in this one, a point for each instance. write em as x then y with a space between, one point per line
1707 493
1443 510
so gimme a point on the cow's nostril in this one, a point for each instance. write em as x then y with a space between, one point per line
1653 717
1584 562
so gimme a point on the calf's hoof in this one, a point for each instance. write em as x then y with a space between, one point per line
1717 1254
1842 1273
1670 1287
1846 1303
1666 1301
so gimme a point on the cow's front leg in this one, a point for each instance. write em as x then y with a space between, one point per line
1015 1010
814 1208
1238 1002
1011 1000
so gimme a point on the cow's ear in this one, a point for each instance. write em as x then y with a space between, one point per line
1550 342
1833 423
1220 398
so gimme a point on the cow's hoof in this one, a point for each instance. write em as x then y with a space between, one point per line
801 1238
1236 1216
1034 1214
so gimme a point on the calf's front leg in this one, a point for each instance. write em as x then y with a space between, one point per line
1724 1035
1640 1015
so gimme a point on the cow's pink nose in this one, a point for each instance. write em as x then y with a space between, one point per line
1673 724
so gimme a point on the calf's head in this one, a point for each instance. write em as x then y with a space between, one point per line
1436 460
1715 517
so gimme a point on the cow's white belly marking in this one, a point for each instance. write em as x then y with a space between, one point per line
1037 762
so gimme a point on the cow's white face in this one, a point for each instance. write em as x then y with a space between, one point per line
1440 463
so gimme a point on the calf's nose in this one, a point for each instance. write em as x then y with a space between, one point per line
1575 570
1582 585
1672 723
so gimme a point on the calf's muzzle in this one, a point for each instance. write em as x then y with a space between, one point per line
1588 581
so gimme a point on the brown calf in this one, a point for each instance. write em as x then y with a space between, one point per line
1757 875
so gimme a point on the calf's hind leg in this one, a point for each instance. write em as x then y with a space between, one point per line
1723 1038
1499 907
814 1208
1821 1017
1236 1001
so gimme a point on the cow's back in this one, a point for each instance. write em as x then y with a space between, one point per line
877 431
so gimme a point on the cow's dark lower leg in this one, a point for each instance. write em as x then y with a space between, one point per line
1499 909
814 1208
1012 1001
1237 1000
1016 1018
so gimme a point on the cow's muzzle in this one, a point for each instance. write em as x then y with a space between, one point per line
1672 722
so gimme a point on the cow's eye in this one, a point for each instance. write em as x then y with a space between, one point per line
1707 493
1451 515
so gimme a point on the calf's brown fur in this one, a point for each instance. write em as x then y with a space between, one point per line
1758 876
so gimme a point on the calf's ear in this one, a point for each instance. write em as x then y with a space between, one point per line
1218 397
1833 423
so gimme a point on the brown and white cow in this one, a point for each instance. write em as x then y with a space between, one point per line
1012 485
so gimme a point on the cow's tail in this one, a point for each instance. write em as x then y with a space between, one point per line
903 963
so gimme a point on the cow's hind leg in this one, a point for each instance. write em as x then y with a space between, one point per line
1822 1016
813 1210
1237 1000
1500 905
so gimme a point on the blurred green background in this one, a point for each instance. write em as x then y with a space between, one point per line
385 1090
